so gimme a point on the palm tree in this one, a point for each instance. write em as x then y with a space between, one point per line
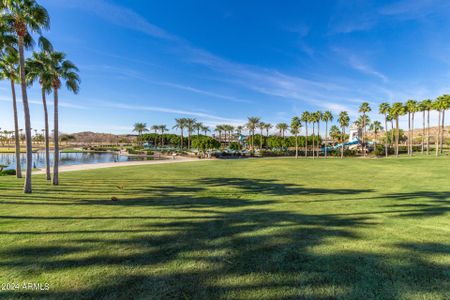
155 129
384 110
267 127
397 110
335 133
295 130
198 127
60 70
180 124
219 129
261 126
162 128
251 125
422 108
282 127
318 118
25 17
441 104
314 118
239 129
344 121
427 106
410 108
327 117
9 70
305 119
37 69
364 108
375 127
205 130
190 125
140 128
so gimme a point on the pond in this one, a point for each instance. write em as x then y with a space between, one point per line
66 159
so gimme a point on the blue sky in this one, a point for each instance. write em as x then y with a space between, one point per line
222 61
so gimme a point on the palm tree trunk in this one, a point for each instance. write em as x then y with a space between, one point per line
428 132
412 134
296 146
423 133
56 138
27 186
16 131
313 141
261 140
306 140
397 136
386 138
442 131
182 138
438 133
318 139
326 139
47 139
342 142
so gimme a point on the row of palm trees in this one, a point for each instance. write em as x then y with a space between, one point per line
312 120
20 21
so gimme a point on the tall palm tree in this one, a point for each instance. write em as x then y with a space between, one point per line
295 130
314 118
267 127
305 119
25 17
397 110
410 108
375 127
140 128
282 127
318 118
261 126
229 129
190 125
344 121
37 69
180 124
219 129
445 107
205 130
162 128
155 129
252 123
335 133
198 127
327 117
60 70
9 70
384 110
427 106
239 129
441 104
364 108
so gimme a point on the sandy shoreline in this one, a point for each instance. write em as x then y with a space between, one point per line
84 167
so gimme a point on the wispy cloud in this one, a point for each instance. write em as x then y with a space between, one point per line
49 102
202 115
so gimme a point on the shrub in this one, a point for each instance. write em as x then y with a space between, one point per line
8 172
235 146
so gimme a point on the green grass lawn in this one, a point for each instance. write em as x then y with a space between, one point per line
235 229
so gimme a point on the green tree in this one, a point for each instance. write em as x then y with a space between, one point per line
427 106
295 130
411 108
9 69
364 108
162 128
23 18
60 70
181 125
190 125
251 125
384 110
306 116
327 117
155 129
262 127
397 110
344 121
37 69
376 127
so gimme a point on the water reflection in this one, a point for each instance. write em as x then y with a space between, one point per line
66 159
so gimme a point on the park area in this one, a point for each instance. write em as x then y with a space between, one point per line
233 229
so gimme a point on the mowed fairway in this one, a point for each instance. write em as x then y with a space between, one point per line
236 229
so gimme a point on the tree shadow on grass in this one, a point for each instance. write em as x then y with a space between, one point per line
438 203
243 248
